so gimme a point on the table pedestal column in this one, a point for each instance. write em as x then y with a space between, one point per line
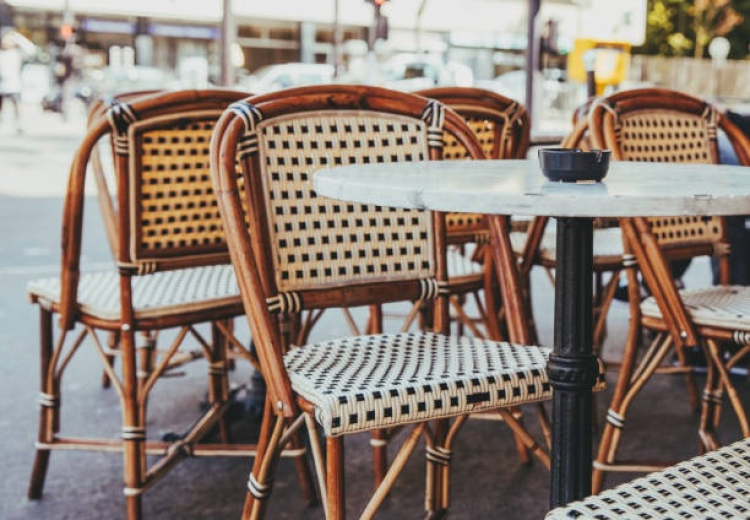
572 366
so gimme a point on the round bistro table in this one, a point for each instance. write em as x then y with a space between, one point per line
517 187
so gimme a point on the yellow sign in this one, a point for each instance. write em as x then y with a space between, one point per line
610 60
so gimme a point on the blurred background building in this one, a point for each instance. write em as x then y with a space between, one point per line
406 44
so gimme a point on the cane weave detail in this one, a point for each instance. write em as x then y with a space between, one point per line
154 295
175 206
665 136
711 486
366 382
486 131
323 241
672 231
726 306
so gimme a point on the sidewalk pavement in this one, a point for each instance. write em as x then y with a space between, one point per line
35 162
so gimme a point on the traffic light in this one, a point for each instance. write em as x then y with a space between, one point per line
66 31
379 29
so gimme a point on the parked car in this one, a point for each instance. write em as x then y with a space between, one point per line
287 75
411 72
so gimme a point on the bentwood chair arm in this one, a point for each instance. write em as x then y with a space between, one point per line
227 192
507 271
73 222
677 319
575 137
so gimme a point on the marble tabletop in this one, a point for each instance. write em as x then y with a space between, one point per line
518 187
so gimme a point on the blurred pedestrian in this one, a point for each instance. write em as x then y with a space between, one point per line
11 61
67 72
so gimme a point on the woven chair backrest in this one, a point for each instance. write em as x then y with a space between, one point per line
500 124
655 125
102 165
316 240
667 126
168 216
306 251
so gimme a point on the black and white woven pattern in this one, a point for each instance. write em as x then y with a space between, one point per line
366 382
712 486
184 290
317 240
723 306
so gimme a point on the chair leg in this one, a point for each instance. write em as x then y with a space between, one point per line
379 444
604 297
113 340
304 475
133 429
711 407
690 382
260 481
48 408
631 380
379 439
435 459
717 364
218 388
335 494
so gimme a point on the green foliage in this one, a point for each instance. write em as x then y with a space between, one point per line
683 28
739 37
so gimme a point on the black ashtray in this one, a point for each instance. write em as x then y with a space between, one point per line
573 164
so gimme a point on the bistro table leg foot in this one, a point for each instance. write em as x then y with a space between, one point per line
572 366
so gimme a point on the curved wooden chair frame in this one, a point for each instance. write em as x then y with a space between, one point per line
668 126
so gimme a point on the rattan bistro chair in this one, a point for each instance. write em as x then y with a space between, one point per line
173 272
501 125
307 252
666 126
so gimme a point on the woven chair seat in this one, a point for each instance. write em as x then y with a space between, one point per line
713 485
607 245
462 264
183 290
726 306
367 382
